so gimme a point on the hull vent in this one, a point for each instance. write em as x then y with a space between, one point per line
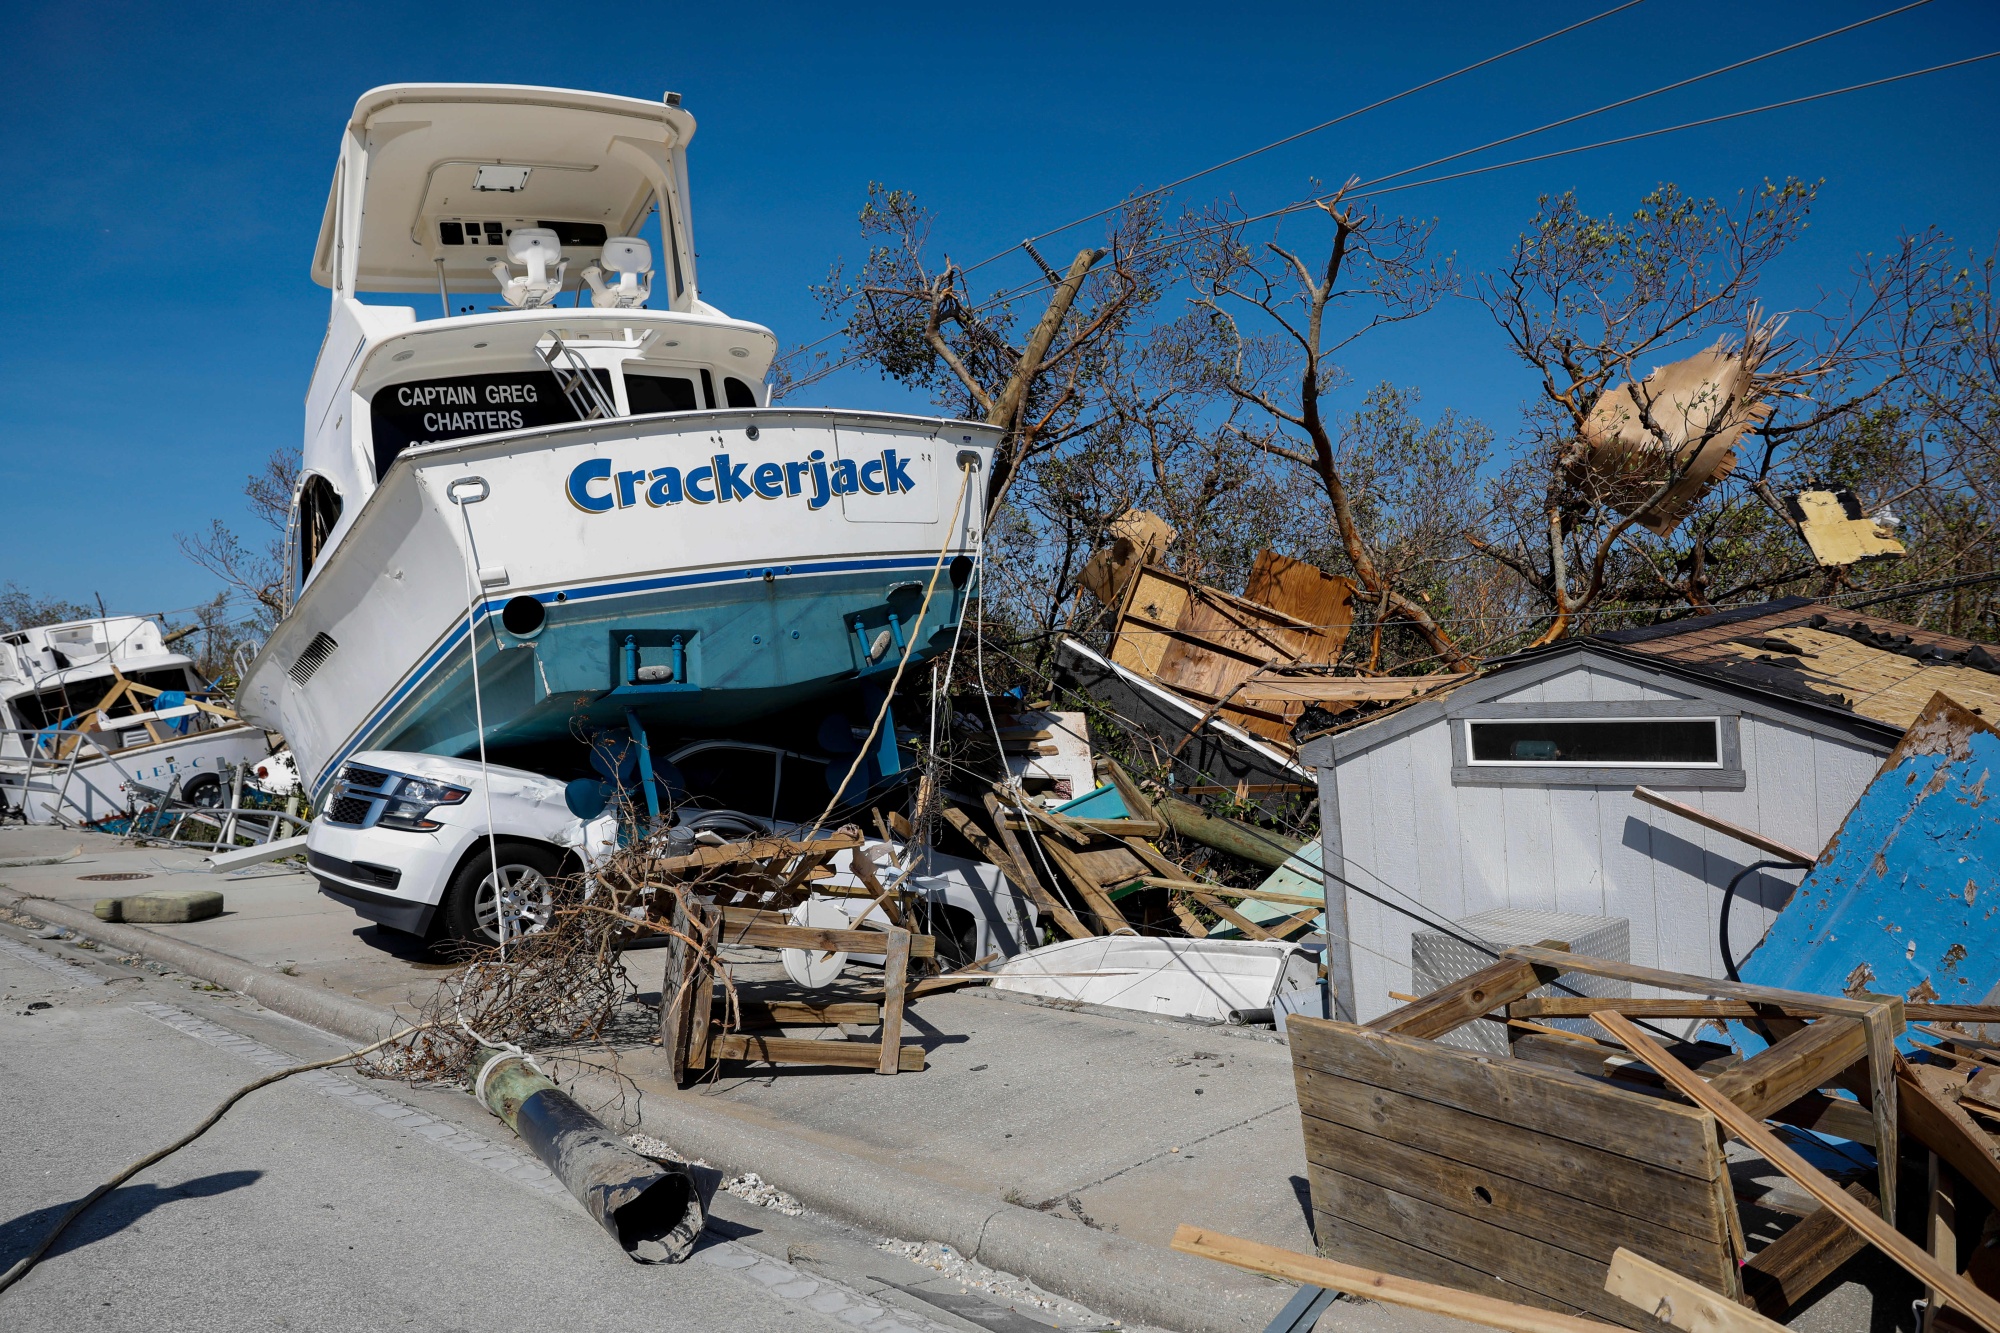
309 662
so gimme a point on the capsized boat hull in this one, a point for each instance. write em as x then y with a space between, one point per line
605 586
105 786
1185 978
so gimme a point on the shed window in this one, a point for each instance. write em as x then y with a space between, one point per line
1639 742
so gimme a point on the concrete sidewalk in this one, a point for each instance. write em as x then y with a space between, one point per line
1119 1123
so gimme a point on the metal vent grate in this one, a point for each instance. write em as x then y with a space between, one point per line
309 662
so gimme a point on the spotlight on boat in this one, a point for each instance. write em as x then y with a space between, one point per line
632 260
538 250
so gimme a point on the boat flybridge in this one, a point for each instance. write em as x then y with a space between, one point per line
577 455
99 717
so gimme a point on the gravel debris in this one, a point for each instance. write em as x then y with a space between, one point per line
749 1186
1006 1288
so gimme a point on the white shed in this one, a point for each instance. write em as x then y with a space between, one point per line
1514 790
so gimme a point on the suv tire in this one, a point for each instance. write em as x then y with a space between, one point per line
466 915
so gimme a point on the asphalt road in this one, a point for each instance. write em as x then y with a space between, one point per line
333 1201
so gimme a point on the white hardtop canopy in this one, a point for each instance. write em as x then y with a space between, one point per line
443 172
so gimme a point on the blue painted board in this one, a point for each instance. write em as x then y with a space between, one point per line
1906 898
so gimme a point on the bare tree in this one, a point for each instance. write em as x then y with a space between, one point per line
920 323
256 568
1586 302
1288 320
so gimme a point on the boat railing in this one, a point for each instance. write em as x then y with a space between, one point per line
57 767
176 821
171 819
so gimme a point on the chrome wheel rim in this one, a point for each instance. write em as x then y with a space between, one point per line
523 894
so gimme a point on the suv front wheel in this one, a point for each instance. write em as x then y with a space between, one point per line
476 899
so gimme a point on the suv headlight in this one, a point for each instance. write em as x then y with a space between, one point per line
413 800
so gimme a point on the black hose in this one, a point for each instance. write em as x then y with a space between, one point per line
1729 896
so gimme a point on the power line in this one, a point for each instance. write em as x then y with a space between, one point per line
1364 193
1673 129
1640 97
1280 143
1323 125
1034 285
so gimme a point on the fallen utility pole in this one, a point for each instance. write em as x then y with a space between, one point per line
653 1211
1258 846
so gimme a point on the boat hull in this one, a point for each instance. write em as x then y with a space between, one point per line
99 787
621 565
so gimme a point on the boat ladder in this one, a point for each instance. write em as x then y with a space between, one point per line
579 385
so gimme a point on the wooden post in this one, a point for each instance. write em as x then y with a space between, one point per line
673 1002
701 981
1942 1229
895 974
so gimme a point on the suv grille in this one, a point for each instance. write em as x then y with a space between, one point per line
364 777
347 810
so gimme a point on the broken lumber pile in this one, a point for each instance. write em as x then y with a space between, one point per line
1521 1180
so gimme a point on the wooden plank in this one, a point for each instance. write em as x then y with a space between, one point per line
1802 1001
1582 1006
807 1051
1189 921
1676 1300
1113 867
1600 1176
1829 1115
1235 918
1137 803
1341 689
1782 1274
1807 1060
1546 1103
827 941
1542 1209
757 849
701 971
1224 891
1940 1124
1087 887
1063 828
1344 1241
1529 1263
1952 1013
1120 828
675 1000
1885 1021
808 1013
1013 863
1492 987
1377 1286
1958 1291
1769 846
895 975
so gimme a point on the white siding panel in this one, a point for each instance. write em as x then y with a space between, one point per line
1577 856
1529 866
1434 814
1569 687
1481 829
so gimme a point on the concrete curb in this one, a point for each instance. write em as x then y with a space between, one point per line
1128 1279
344 1015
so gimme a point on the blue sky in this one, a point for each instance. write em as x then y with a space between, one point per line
166 167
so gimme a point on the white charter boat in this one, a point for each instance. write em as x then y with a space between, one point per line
583 450
99 718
